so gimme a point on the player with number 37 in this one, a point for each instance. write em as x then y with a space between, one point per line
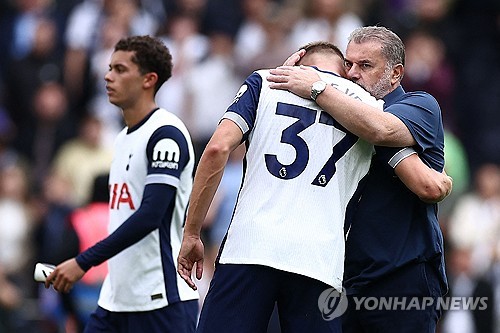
285 243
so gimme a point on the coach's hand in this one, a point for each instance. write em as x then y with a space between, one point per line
297 79
191 253
294 58
65 275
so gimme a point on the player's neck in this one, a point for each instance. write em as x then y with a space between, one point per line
134 115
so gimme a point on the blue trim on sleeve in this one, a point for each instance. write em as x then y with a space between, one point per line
246 101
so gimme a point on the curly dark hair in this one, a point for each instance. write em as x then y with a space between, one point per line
151 55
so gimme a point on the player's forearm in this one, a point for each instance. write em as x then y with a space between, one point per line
428 184
206 182
226 138
438 186
365 121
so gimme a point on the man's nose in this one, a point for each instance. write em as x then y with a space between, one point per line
353 73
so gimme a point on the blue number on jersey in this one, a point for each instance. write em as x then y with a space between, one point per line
306 118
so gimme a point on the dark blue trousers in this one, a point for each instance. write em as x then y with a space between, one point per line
404 302
179 317
241 299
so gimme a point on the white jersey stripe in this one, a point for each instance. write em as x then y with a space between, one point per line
162 179
238 120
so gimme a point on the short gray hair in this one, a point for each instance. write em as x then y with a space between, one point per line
392 46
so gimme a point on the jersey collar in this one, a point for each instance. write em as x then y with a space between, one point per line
393 96
135 127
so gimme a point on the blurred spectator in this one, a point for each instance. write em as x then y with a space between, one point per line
251 38
84 35
50 127
15 248
475 221
456 166
56 241
90 223
8 155
210 87
18 27
464 282
262 39
428 69
496 288
327 20
188 47
81 159
221 15
10 301
25 75
477 86
193 8
15 218
111 31
407 16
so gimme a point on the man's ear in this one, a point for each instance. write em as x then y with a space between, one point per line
397 73
150 80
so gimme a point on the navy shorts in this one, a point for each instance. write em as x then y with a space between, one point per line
403 302
179 317
241 299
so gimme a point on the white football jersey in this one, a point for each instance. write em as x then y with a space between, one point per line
144 276
301 170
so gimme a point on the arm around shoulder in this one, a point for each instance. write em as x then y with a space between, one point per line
364 120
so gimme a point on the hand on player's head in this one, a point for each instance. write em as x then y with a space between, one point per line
297 79
294 58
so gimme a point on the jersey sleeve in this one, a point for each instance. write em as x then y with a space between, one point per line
146 219
421 114
243 109
167 153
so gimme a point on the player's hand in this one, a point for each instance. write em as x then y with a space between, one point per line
294 58
297 79
447 183
64 276
191 253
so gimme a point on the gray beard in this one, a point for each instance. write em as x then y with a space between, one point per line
382 87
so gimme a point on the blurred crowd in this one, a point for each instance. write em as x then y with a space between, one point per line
57 126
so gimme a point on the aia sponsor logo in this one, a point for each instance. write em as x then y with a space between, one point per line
119 196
